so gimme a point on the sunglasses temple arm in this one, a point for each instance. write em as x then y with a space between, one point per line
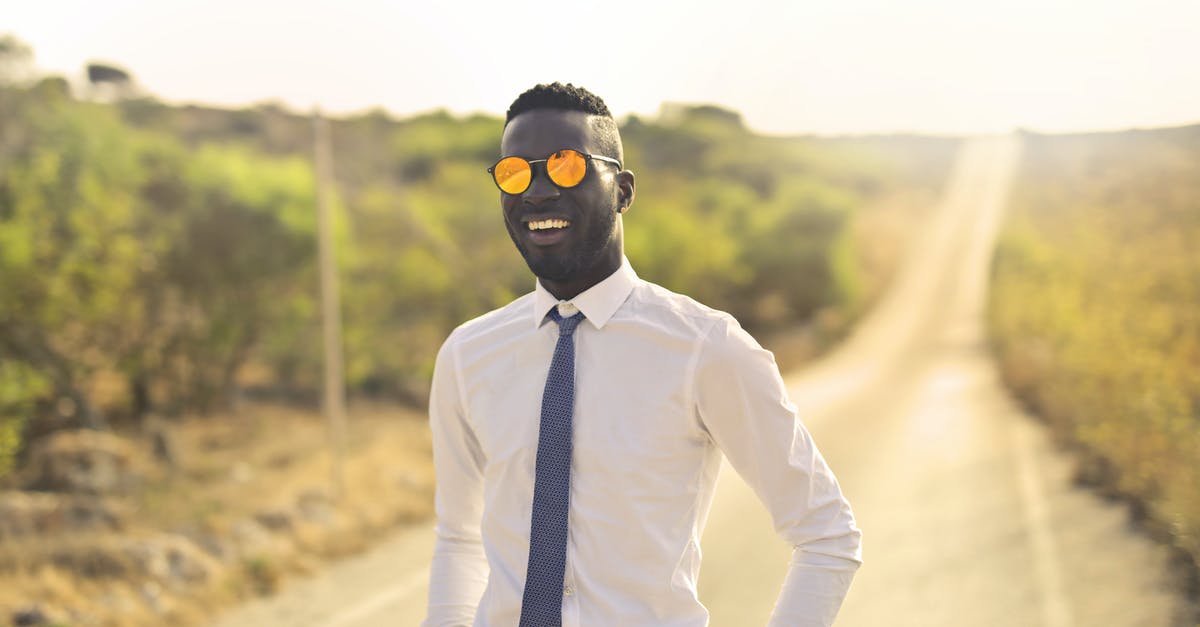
609 160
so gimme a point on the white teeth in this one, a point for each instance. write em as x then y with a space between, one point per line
547 224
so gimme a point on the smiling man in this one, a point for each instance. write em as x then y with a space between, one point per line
578 431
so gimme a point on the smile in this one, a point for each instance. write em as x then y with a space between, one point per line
539 225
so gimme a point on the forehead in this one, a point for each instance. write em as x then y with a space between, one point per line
535 134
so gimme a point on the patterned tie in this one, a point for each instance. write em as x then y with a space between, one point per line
541 605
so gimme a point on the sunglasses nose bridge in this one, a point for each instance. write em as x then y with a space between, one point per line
541 188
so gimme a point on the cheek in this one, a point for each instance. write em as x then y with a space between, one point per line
508 206
603 195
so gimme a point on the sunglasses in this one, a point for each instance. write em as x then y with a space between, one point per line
566 168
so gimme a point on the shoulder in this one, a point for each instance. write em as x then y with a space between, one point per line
656 303
504 320
718 335
722 351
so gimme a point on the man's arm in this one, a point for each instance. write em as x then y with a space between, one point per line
744 405
459 571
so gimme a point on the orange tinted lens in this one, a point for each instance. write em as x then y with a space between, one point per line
566 168
512 174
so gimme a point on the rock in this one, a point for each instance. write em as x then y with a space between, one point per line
316 506
152 594
39 614
171 559
32 513
216 546
100 558
276 519
85 462
252 539
27 616
118 601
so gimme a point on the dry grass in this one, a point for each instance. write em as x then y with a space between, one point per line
1094 310
248 503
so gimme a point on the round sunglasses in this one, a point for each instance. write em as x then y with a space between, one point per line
566 168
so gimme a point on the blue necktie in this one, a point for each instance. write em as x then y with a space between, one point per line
541 605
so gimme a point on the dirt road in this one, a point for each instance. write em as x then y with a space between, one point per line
968 514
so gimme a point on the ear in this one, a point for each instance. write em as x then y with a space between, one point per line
625 190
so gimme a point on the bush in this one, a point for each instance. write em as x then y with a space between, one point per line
1095 309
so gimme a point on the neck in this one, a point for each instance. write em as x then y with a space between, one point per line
570 288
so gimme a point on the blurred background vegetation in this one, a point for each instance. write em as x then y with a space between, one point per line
159 260
1095 311
160 353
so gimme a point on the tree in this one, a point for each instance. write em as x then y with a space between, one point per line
16 61
109 82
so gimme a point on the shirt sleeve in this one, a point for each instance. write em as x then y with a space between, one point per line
744 405
459 572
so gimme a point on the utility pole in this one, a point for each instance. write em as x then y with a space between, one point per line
334 389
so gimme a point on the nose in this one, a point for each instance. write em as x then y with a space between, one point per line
541 189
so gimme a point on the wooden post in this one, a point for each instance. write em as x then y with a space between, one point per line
334 389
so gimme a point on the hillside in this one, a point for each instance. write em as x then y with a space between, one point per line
1095 312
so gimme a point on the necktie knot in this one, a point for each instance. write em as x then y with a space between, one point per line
566 326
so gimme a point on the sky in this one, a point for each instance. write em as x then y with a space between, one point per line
799 67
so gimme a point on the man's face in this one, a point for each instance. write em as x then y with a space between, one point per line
588 248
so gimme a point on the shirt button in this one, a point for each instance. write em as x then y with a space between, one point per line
567 310
568 590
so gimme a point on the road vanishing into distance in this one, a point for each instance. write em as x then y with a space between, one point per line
968 512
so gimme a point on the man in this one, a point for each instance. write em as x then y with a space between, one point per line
578 431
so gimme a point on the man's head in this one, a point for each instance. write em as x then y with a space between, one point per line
570 236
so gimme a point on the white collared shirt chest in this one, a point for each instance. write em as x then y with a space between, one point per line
662 386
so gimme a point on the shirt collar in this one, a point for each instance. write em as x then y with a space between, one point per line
598 303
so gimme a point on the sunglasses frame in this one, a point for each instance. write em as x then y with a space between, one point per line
586 157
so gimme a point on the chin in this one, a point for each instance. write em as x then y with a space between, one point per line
552 268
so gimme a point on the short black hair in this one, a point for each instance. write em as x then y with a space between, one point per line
557 96
571 98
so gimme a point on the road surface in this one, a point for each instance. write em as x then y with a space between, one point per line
969 515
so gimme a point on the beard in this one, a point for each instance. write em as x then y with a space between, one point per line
576 260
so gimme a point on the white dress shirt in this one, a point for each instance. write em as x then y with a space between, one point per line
663 386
